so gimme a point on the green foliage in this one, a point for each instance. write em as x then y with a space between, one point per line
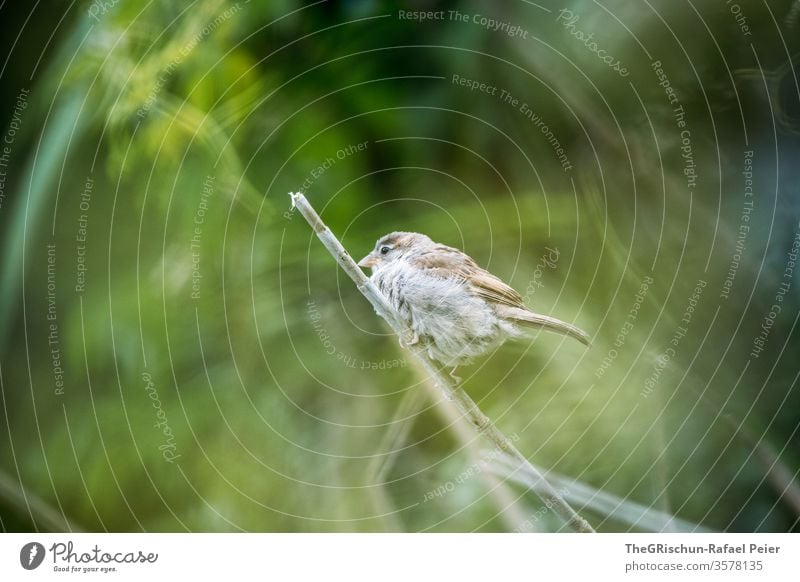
276 379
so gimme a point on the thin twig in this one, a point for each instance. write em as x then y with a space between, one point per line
510 507
31 506
454 393
513 511
598 501
379 466
396 435
778 474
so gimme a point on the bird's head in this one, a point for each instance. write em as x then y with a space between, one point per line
392 247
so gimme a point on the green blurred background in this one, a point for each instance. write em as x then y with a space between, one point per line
221 374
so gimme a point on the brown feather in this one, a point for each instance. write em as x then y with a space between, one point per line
537 320
446 262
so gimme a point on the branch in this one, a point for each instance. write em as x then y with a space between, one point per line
510 507
607 504
394 437
782 478
454 393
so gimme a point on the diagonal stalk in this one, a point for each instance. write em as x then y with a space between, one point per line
454 393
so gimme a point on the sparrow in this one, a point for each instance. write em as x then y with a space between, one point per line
454 307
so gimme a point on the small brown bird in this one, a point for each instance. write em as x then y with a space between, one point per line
458 310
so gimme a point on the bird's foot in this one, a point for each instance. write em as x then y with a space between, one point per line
453 375
412 342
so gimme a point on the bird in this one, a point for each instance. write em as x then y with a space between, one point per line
455 309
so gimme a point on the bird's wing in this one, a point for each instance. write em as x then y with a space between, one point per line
447 262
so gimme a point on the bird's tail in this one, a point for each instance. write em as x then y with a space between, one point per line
530 319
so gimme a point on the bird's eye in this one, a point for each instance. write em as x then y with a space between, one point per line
385 249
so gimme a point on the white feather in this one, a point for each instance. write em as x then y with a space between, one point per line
455 324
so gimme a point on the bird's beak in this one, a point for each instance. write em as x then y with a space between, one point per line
368 262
